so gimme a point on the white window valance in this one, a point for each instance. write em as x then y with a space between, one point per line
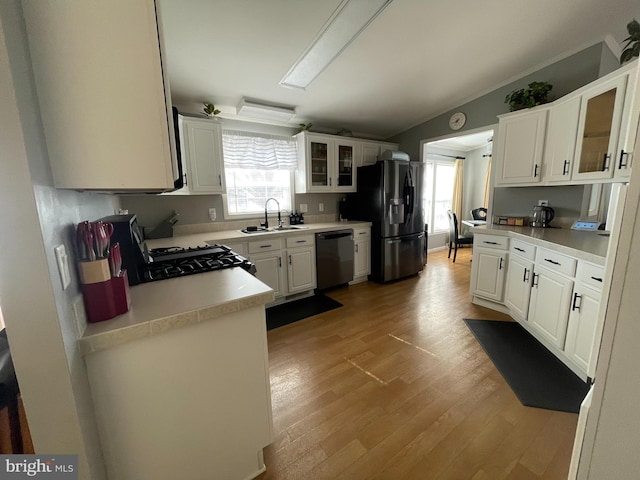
258 151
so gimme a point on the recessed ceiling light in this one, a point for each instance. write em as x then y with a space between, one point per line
265 112
349 19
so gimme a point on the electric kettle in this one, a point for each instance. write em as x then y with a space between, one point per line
541 216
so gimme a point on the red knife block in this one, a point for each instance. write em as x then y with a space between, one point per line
108 299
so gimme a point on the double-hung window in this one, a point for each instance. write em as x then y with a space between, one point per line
257 167
438 193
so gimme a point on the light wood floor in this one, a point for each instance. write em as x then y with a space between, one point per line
393 385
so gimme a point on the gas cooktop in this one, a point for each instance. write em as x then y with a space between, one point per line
174 262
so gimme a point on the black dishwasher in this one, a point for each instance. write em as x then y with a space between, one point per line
334 258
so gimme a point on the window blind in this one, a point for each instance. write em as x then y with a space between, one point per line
257 151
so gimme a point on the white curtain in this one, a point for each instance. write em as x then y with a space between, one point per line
458 187
487 184
256 151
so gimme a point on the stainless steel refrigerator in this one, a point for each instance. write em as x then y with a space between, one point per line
389 195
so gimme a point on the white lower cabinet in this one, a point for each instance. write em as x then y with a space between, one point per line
301 263
266 255
287 265
518 286
549 307
554 296
583 318
488 267
362 254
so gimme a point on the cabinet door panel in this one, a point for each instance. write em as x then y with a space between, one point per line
362 258
318 154
301 269
549 305
598 131
269 271
518 286
488 273
520 147
582 325
561 140
204 156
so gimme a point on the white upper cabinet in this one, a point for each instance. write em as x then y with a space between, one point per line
371 151
561 140
201 141
328 163
598 130
520 147
103 93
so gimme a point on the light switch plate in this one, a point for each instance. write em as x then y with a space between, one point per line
63 265
303 208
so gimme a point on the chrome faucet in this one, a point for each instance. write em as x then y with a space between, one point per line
266 221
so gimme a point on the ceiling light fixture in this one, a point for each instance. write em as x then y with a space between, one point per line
265 112
345 24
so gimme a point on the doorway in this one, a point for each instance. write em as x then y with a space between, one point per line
462 159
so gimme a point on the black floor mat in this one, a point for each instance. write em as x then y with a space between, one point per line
534 374
287 313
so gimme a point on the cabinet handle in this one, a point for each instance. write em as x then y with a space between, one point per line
551 261
525 277
565 170
185 179
620 164
329 181
356 248
500 266
575 307
605 161
597 279
519 249
535 171
280 262
289 259
220 179
266 246
489 243
534 283
301 241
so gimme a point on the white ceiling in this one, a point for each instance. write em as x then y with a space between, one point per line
416 60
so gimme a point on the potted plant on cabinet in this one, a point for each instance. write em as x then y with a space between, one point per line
536 93
632 48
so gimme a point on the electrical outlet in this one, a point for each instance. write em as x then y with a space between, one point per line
63 265
79 316
321 207
303 208
212 214
543 203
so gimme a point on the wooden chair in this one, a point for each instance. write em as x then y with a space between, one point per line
479 213
456 240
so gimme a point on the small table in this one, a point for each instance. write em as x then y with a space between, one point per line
466 224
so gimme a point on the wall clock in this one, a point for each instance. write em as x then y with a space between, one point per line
457 121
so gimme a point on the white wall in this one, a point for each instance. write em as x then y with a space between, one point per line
36 217
475 171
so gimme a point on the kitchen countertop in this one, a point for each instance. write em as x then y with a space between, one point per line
157 307
204 239
161 306
589 246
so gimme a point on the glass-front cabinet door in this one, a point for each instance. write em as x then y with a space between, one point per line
319 157
345 166
598 131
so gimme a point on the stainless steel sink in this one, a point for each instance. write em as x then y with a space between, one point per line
284 228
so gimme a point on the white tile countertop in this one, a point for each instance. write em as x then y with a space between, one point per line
207 238
158 307
588 246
